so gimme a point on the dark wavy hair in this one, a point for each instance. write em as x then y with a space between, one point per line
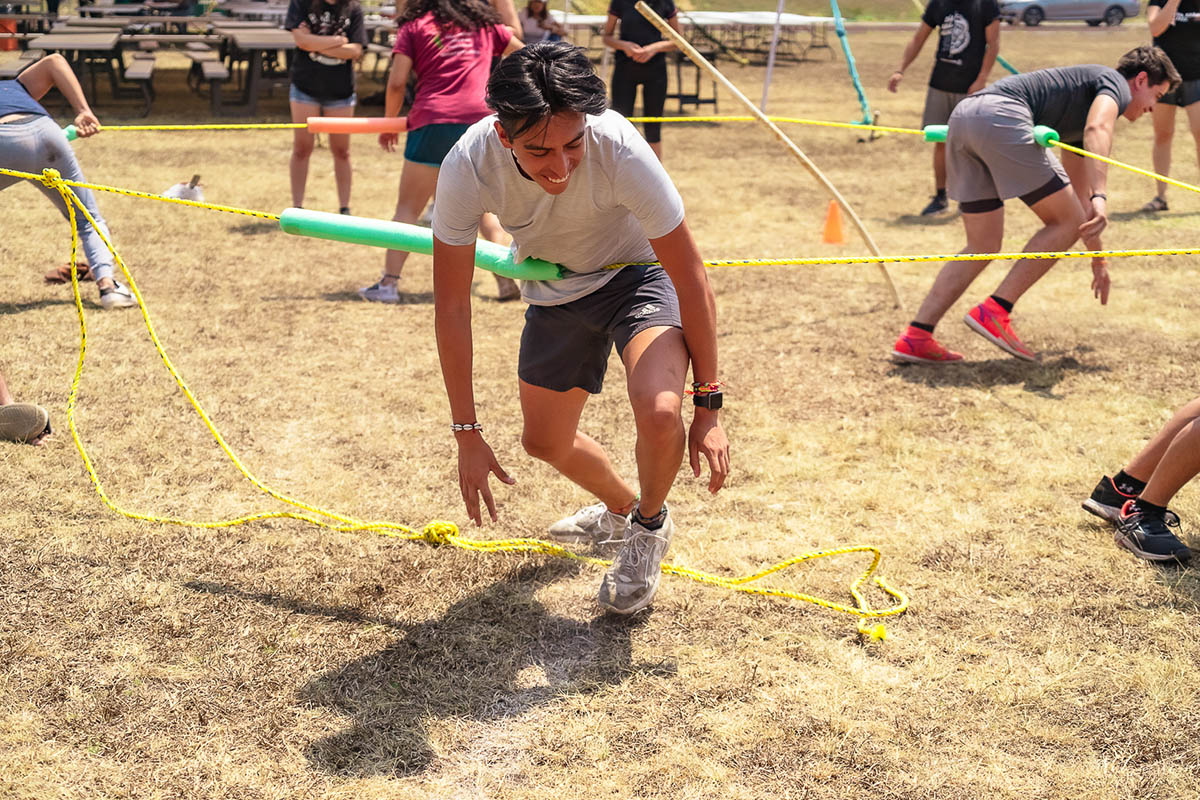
1152 61
468 14
542 79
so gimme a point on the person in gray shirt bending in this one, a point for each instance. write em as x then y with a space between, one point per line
992 156
574 183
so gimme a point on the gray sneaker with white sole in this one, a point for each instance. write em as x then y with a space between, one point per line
593 524
632 580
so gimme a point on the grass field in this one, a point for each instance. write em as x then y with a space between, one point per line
277 660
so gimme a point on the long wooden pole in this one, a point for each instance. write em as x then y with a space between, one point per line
702 62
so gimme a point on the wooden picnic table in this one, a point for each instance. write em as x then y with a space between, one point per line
257 44
85 49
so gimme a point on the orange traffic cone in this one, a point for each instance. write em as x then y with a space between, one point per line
833 225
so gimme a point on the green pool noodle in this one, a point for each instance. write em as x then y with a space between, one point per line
70 133
411 239
1044 135
936 133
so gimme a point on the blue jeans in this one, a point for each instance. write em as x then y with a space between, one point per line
37 143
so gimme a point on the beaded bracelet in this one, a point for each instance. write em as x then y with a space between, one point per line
465 426
705 388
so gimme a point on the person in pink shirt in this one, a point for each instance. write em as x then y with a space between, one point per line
450 44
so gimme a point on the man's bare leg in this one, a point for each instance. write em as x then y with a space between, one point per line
656 363
985 234
1061 216
551 434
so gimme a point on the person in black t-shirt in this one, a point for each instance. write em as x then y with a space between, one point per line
1175 26
992 155
640 60
967 48
330 37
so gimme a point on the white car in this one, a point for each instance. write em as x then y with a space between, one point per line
1032 12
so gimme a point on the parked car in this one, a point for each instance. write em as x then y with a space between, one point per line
1032 12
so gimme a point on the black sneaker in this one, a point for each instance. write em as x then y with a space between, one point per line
1107 501
1147 536
936 206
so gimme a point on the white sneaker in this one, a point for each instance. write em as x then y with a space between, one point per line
632 580
593 524
117 297
380 293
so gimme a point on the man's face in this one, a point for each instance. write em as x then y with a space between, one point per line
1144 94
549 152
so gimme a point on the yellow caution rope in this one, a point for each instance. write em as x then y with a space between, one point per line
436 532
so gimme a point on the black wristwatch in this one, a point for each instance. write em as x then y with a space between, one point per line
709 400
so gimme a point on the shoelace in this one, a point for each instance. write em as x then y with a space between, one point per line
638 545
598 515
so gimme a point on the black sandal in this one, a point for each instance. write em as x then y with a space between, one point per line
1155 205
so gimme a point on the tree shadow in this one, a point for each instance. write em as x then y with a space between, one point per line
496 654
1039 377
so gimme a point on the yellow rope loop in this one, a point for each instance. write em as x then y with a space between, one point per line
437 532
440 532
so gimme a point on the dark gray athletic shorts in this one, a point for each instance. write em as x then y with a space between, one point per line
991 155
1184 95
567 346
939 105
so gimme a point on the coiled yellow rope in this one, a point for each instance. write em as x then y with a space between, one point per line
437 532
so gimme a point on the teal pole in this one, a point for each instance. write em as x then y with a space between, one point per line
840 26
1007 65
409 238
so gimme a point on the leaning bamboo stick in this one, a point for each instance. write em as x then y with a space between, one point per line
703 63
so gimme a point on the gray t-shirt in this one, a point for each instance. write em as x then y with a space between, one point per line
619 198
1061 97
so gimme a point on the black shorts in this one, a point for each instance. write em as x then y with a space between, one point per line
1184 95
567 346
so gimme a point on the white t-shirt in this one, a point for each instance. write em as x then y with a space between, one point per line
619 198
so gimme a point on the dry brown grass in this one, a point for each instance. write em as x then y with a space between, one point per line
275 660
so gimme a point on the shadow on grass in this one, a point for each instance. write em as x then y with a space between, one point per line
932 221
255 228
498 653
1142 216
19 308
1038 377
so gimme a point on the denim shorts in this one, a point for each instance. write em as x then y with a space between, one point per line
429 144
567 346
297 96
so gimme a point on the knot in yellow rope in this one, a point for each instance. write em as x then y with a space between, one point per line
439 532
51 178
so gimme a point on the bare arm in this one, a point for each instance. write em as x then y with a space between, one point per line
453 268
698 313
53 71
514 44
307 40
910 52
992 34
660 46
611 39
1159 19
508 15
394 96
351 51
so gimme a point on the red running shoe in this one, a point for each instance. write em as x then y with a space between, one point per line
919 347
991 322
